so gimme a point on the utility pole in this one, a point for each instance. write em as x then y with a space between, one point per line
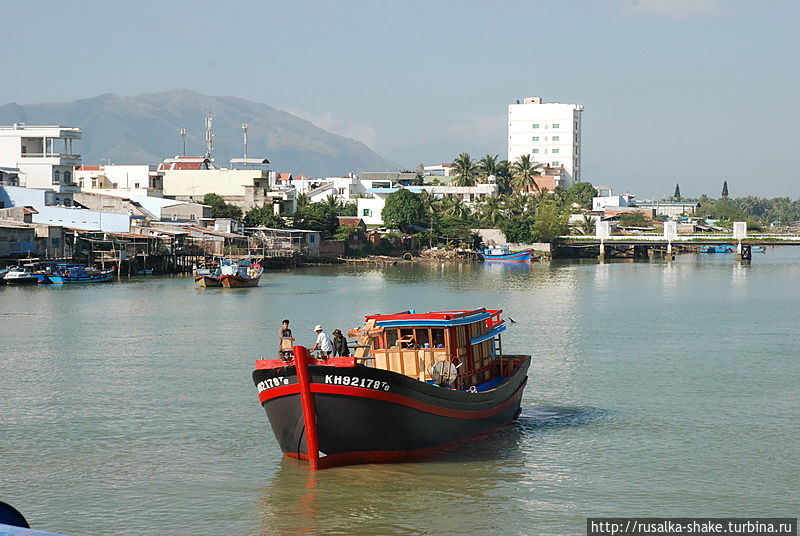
183 135
244 130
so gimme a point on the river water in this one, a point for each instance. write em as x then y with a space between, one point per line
656 389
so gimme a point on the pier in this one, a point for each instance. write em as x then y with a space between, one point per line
648 245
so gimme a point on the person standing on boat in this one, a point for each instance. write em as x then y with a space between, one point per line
285 339
324 343
340 348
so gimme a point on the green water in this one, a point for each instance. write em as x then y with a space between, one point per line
656 389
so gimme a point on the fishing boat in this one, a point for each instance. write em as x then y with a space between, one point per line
502 254
19 276
416 384
207 274
239 275
77 274
144 272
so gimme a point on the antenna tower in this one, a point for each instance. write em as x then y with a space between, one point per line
183 135
209 135
244 130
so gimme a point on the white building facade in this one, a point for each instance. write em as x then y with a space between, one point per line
121 180
43 154
549 132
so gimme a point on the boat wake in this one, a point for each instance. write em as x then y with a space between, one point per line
536 417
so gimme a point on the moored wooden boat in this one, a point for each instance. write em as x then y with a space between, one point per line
240 276
418 383
502 254
81 275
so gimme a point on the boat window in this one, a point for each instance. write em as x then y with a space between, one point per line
438 338
423 341
391 338
407 339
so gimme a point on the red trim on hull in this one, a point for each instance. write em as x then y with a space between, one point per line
360 392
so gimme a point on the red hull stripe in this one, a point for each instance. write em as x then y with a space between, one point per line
361 392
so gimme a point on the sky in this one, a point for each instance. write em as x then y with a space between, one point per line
674 91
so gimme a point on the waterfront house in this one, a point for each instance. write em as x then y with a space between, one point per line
43 154
120 180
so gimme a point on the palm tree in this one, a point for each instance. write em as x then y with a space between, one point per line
429 202
491 210
502 176
523 171
332 203
453 205
517 205
303 200
466 170
487 166
585 226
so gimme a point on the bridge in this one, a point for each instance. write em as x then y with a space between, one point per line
647 244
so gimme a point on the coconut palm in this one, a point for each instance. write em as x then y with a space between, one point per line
585 226
502 178
429 202
491 210
303 200
465 170
518 205
453 205
523 171
333 203
487 166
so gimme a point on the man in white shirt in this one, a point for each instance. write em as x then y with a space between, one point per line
324 342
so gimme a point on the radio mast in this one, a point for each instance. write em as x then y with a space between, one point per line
244 130
209 135
183 135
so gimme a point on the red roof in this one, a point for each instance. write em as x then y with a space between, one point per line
84 167
284 176
301 177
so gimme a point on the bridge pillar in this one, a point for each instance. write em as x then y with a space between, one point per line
670 256
602 256
744 252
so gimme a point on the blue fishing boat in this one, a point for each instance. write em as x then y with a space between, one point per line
717 249
81 275
758 249
502 254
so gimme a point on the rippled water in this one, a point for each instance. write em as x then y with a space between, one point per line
656 389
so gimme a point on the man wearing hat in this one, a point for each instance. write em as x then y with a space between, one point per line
324 343
340 348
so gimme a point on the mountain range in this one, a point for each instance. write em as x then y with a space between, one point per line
146 129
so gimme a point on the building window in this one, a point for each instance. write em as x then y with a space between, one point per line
67 177
311 238
555 125
67 202
136 185
56 177
535 138
556 138
535 151
576 125
366 212
555 150
555 164
536 125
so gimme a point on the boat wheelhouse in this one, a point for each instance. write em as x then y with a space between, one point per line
415 384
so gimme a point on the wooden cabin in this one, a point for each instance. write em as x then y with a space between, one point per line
410 343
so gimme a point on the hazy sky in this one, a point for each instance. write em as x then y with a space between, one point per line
689 91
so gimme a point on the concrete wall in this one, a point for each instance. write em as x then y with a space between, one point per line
197 183
332 248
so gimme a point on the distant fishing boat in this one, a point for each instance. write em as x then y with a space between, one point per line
418 383
19 276
758 249
144 272
717 249
240 275
81 275
502 254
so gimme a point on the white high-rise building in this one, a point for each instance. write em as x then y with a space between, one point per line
550 132
36 152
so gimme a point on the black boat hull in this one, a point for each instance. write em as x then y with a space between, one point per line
366 415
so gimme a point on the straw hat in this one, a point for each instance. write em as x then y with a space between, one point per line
317 328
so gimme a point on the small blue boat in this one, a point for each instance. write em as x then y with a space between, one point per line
502 254
82 275
717 249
